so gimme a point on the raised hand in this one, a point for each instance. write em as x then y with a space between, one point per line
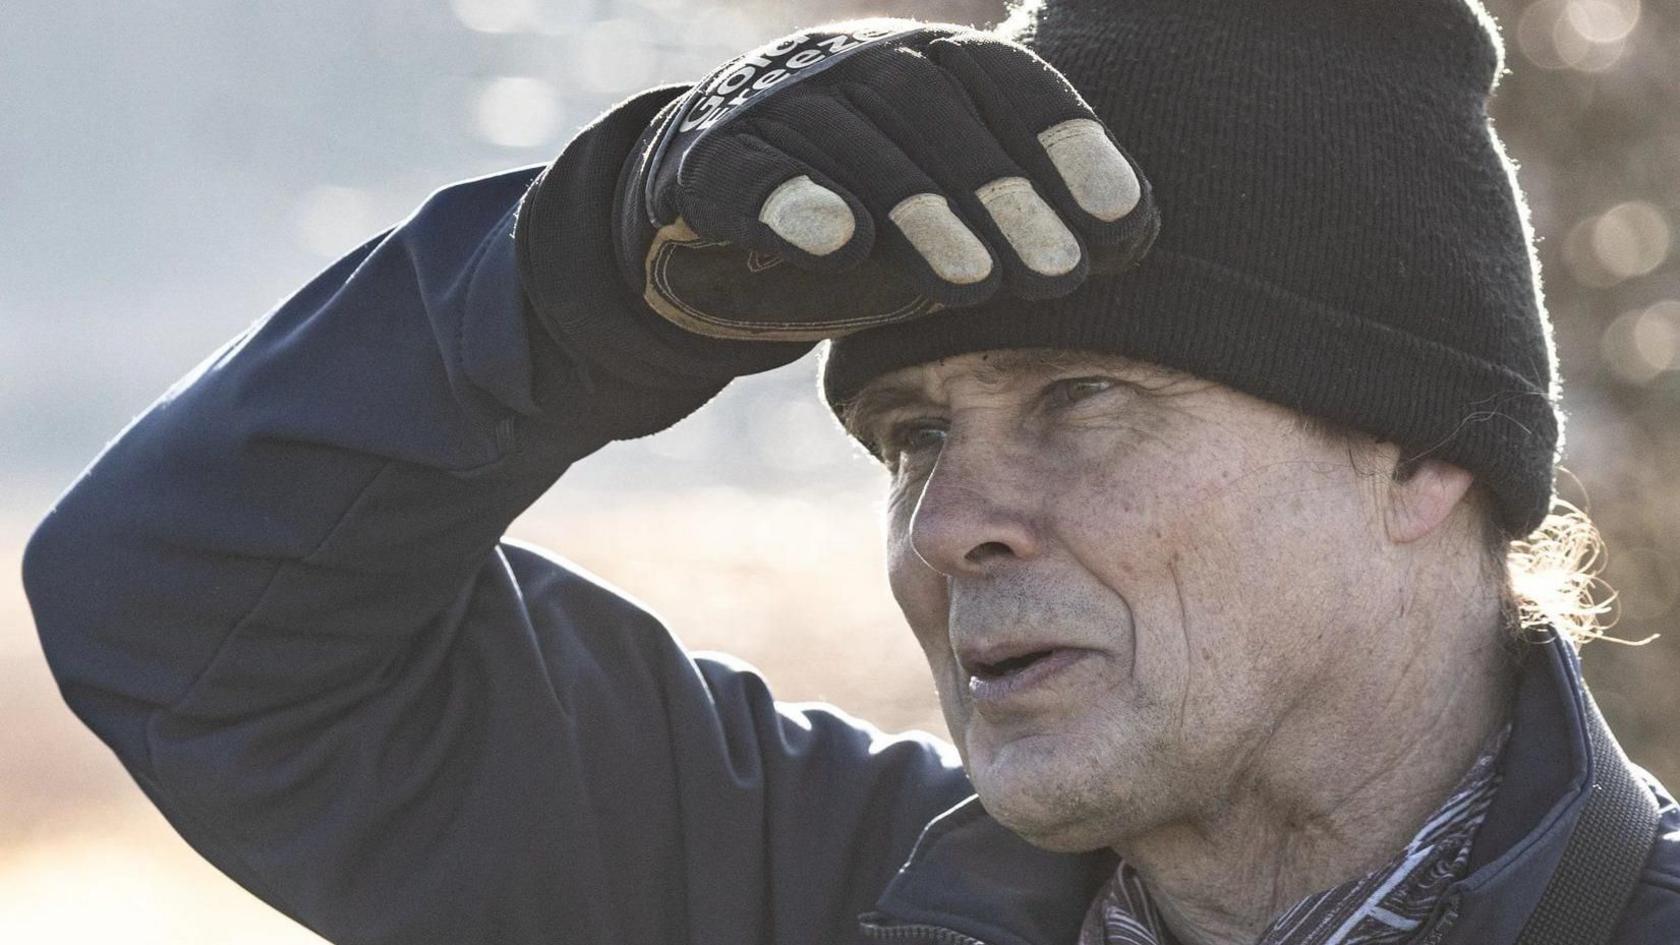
870 172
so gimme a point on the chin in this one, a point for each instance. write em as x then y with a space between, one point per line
1055 800
1046 824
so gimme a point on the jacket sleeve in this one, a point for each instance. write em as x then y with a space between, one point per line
282 598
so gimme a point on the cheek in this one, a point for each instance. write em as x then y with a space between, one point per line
1126 521
1255 560
919 590
922 595
1159 529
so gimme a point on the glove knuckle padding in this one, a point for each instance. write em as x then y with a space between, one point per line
829 133
1009 80
939 132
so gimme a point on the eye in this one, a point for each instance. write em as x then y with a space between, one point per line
911 441
1071 390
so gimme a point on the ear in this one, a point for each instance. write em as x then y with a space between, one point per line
1420 502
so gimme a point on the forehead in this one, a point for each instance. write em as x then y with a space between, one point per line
999 368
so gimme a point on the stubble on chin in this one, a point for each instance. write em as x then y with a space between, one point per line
1071 795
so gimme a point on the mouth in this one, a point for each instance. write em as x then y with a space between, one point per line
999 676
999 667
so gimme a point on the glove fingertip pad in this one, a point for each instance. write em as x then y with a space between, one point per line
1098 176
809 216
948 246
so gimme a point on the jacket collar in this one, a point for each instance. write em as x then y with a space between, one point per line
976 881
1548 771
970 875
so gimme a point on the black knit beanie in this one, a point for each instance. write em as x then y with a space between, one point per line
1340 231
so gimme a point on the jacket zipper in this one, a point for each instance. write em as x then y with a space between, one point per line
934 934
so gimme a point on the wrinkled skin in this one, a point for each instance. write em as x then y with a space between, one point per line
1234 594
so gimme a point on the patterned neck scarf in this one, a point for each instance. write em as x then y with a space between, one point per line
1393 905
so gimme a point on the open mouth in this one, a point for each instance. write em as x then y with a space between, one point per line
1000 684
1005 667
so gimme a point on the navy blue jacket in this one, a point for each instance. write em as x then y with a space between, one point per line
283 598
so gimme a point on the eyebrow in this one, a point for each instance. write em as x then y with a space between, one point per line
998 368
873 401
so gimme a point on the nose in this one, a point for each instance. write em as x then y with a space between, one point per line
975 512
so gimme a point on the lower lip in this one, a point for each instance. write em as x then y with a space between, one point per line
999 690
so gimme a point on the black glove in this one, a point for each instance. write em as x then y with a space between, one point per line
865 173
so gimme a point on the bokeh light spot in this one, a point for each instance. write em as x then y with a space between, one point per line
1582 260
1631 239
1603 21
330 221
518 112
1584 35
494 16
566 18
613 57
1642 344
1657 333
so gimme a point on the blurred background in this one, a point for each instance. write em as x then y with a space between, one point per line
169 169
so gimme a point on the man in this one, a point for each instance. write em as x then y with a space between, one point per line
1200 534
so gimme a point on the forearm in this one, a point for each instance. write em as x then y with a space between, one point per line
305 500
277 594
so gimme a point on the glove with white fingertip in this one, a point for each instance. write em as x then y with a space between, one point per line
865 173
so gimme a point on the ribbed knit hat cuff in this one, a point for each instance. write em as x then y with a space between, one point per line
1214 322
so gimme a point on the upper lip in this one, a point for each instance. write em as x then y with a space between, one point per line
982 659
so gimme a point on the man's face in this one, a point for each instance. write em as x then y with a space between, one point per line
1130 583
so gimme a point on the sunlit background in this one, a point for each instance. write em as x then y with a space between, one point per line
168 170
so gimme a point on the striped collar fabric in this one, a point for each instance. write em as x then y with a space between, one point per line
1393 905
